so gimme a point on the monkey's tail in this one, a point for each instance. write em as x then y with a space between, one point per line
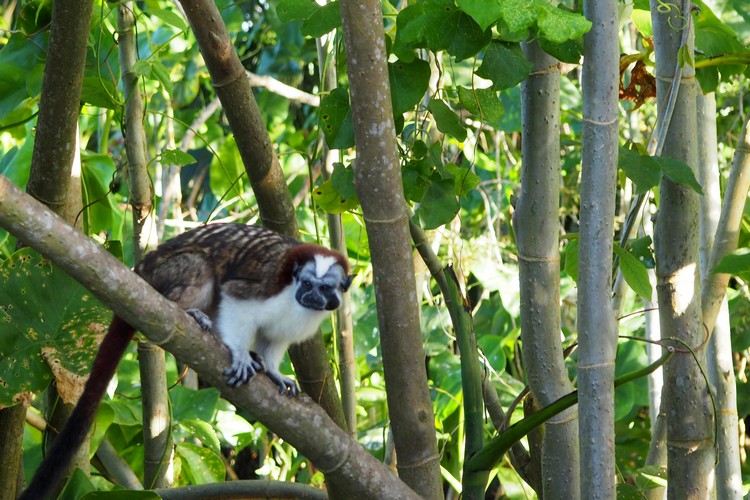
52 469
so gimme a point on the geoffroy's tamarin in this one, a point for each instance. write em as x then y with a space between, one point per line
256 289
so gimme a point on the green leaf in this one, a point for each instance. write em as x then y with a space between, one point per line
329 199
227 172
571 259
569 51
410 26
642 250
203 431
504 64
643 170
188 404
336 119
101 212
517 16
484 12
342 180
295 10
634 272
679 172
170 17
41 307
642 21
18 58
161 74
415 181
322 21
651 476
176 157
482 103
464 179
446 27
447 121
558 25
439 205
409 82
317 20
492 347
735 263
200 465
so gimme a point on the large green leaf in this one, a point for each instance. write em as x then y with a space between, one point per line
482 103
641 169
317 20
571 259
18 60
409 82
227 173
200 465
558 25
484 12
736 263
446 27
410 26
439 205
679 172
336 119
504 64
101 213
634 272
42 308
646 171
447 121
329 199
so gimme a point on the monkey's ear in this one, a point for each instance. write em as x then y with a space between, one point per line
295 269
347 282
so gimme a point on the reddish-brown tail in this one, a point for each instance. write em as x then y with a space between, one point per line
52 469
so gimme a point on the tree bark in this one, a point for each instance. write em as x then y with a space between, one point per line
378 184
721 221
690 451
536 225
597 330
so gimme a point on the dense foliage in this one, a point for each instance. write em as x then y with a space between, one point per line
455 69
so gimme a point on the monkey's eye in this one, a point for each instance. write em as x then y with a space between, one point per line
306 285
325 288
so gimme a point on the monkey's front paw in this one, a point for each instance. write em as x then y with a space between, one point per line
286 385
201 318
243 369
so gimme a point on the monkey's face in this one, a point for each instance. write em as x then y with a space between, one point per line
320 283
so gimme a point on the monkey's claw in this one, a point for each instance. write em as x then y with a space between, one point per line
243 369
286 385
201 318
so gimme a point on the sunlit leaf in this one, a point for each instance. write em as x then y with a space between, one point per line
634 272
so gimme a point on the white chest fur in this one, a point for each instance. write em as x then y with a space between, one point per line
254 324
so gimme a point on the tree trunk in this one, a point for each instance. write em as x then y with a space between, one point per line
378 183
597 331
536 225
690 451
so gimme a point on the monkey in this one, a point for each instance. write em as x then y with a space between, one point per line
257 290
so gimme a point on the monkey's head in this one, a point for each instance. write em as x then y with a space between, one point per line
320 279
